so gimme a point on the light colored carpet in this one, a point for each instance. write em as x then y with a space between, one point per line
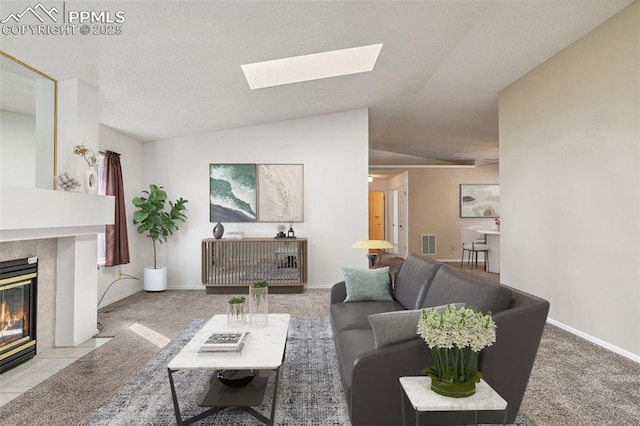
575 382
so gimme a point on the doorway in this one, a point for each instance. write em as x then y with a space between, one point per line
376 215
398 220
394 220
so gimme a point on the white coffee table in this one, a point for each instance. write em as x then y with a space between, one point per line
263 351
423 399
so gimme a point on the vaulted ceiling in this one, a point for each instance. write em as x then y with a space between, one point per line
433 95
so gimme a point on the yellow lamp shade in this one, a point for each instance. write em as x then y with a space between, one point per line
372 244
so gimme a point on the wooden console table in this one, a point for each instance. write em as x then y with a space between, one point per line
231 265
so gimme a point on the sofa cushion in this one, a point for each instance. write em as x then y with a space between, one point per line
398 326
348 316
481 295
413 280
367 285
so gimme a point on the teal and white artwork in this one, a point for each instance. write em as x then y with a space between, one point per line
232 192
280 193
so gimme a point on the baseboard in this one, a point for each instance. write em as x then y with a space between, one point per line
186 287
201 287
319 286
599 342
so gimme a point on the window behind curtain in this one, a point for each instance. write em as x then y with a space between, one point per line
102 190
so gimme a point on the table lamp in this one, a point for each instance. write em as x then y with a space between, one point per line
373 245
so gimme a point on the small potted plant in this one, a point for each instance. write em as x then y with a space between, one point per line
152 219
259 303
456 337
236 312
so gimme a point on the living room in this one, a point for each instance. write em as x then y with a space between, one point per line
568 154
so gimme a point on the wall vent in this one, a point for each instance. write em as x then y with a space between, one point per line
428 244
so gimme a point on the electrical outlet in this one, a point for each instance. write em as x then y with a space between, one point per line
119 273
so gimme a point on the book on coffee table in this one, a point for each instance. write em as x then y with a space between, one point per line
225 342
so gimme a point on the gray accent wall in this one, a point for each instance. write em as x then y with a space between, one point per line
569 176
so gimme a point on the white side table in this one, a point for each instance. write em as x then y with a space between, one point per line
423 399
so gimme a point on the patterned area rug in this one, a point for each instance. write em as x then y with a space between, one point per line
310 364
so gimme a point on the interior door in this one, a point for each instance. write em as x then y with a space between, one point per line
401 220
376 215
393 217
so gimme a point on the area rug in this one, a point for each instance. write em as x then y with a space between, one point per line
310 365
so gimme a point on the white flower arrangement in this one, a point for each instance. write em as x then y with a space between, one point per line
456 337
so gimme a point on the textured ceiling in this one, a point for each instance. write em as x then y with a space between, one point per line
175 69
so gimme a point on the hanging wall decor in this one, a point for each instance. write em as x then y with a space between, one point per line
232 192
256 193
479 200
280 193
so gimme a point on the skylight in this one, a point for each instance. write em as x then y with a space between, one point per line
311 67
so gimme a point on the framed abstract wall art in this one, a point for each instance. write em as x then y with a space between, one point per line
479 200
232 193
280 193
256 193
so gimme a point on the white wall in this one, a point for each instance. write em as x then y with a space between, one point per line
570 188
78 111
132 161
17 149
76 282
334 151
434 207
76 313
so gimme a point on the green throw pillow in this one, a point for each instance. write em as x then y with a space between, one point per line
398 326
367 285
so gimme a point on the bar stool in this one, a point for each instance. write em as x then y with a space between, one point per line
470 243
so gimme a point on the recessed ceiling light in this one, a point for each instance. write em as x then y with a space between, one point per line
311 67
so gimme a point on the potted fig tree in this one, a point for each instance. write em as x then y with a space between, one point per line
157 223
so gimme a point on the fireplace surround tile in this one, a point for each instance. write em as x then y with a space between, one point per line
46 250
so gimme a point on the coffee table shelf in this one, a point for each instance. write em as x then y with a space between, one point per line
217 394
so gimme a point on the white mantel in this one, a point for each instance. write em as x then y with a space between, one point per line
31 213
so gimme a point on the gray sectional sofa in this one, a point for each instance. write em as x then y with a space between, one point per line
371 364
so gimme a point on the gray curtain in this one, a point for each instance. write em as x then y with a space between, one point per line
116 240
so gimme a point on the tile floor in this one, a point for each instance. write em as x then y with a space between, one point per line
25 376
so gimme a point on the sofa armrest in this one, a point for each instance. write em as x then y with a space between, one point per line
375 385
507 365
338 292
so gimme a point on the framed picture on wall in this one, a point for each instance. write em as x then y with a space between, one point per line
280 193
232 193
479 200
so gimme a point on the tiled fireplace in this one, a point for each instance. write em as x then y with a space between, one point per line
18 292
44 304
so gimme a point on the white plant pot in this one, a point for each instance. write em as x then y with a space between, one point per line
155 279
